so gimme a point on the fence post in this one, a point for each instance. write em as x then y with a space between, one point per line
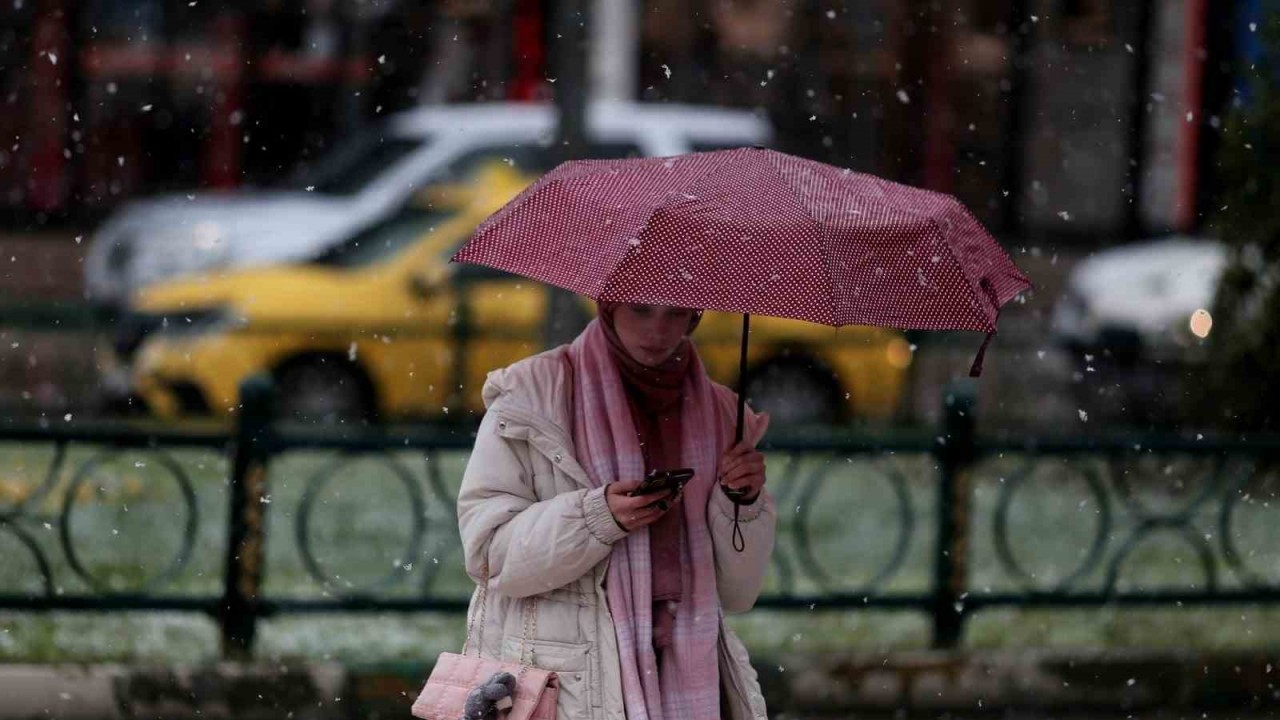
955 455
238 611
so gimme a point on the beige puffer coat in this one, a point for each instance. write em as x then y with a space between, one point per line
528 507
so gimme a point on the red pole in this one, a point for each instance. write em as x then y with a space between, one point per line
528 51
221 166
938 111
1192 99
47 126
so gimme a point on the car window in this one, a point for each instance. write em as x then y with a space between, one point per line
614 150
530 158
708 146
383 240
353 164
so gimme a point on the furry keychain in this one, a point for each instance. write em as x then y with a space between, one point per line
485 701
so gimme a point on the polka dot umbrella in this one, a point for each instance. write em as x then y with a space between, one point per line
754 231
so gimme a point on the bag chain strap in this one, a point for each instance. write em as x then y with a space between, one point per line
529 630
484 601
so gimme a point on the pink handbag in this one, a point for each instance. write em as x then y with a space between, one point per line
454 676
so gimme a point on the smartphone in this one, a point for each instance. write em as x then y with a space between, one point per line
663 481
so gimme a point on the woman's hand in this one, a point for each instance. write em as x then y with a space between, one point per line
742 468
633 513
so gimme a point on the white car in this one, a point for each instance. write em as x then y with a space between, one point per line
368 178
1150 300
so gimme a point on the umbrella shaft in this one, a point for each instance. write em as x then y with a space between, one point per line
742 378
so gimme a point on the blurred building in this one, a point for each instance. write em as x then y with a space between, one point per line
1046 116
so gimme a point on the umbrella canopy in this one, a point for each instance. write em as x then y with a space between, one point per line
754 231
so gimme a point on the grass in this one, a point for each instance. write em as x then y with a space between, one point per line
127 515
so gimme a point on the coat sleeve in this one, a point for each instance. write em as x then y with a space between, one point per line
740 575
530 546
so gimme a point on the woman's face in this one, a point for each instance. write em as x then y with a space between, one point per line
651 333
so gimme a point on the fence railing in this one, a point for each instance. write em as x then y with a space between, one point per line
946 524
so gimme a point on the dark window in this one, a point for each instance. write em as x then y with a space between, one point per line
350 166
383 240
710 145
530 158
614 151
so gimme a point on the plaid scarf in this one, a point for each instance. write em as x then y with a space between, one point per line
687 682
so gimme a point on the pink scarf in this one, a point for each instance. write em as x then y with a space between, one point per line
654 394
687 684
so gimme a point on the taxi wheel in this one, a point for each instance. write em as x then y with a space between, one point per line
796 391
324 389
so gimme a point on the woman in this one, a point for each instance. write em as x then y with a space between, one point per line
622 596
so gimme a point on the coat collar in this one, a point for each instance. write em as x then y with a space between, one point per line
532 401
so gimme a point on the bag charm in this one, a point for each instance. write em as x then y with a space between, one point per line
484 702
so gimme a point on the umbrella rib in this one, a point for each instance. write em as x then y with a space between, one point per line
691 185
608 277
822 235
964 271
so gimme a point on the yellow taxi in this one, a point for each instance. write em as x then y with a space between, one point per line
383 328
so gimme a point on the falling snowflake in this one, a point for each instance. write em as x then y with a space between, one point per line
666 71
351 352
903 97
1084 416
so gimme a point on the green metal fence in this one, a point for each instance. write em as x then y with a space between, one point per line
268 520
